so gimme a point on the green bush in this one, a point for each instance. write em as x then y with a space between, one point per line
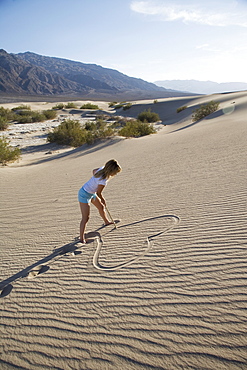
23 112
49 114
38 117
180 109
112 104
89 106
3 123
69 132
70 105
26 116
119 105
6 115
99 129
204 110
7 152
148 116
118 122
29 116
135 128
127 106
58 106
102 129
123 105
21 107
155 101
72 133
24 119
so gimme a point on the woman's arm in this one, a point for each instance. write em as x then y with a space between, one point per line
99 193
95 170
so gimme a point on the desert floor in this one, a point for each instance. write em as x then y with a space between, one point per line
167 288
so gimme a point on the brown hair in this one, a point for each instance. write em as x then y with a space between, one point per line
111 168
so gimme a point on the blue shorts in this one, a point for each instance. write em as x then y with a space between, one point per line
85 197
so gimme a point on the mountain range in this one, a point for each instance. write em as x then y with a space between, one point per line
202 87
29 74
37 75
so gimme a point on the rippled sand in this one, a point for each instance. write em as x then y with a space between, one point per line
167 288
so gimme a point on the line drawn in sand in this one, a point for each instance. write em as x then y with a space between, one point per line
149 241
72 249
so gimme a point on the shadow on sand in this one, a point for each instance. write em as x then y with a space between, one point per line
38 267
77 152
72 248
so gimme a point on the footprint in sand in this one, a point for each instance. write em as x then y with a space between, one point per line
37 271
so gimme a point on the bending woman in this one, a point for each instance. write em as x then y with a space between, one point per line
91 191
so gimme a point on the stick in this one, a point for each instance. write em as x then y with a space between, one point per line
111 217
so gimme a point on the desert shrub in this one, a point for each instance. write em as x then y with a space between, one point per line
112 104
99 129
7 152
119 122
127 106
103 130
29 116
38 117
123 105
119 105
90 126
49 114
58 106
89 106
204 110
135 128
22 107
69 132
180 109
24 119
104 116
6 115
26 116
70 105
23 112
3 123
148 116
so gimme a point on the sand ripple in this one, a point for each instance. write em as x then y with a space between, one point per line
147 295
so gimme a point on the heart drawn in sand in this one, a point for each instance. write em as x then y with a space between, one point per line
129 242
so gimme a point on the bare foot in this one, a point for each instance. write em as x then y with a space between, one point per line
109 223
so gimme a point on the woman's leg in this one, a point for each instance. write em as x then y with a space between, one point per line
97 203
85 211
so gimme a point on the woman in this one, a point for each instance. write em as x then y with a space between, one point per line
91 191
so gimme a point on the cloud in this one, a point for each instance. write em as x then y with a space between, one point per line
203 46
211 48
211 13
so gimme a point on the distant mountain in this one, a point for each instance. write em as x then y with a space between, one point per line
38 75
20 77
202 87
91 75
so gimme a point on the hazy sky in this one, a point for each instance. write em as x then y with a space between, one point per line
152 40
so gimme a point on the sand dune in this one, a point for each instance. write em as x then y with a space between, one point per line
154 293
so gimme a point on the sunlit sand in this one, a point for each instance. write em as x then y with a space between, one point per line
166 289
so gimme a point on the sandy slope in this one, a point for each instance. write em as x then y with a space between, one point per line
181 302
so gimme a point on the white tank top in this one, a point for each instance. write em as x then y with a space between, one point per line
91 186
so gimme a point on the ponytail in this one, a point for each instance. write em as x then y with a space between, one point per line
111 168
